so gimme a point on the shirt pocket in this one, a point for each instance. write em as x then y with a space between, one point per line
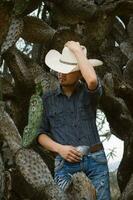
56 117
83 111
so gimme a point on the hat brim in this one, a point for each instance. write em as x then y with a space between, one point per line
52 60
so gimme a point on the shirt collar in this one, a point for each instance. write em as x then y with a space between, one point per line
60 91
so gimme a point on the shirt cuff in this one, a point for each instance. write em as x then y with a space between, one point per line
41 132
98 87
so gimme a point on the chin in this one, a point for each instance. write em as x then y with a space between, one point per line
67 84
64 84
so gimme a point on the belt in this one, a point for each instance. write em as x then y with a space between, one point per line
85 150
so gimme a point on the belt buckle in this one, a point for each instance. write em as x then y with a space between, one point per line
83 149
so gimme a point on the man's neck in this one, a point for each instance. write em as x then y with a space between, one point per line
69 90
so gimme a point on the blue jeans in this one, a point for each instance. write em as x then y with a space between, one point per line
94 165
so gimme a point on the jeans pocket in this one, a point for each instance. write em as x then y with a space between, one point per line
99 157
59 163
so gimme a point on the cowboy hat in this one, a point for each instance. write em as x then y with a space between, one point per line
66 61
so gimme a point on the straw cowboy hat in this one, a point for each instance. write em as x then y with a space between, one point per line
66 62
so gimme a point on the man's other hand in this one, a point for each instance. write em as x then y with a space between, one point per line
70 153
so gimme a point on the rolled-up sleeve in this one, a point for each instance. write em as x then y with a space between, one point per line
95 94
98 91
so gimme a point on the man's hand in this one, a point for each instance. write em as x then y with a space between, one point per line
70 153
74 46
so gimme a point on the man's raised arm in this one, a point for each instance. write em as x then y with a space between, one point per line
86 68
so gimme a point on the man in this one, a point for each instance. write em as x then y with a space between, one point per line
68 125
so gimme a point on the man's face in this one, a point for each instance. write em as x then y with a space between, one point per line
69 79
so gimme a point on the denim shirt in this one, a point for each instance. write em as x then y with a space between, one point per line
71 120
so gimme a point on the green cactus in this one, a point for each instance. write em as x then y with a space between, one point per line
35 111
20 6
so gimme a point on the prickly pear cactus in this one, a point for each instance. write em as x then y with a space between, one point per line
37 174
82 187
15 29
43 84
8 130
33 168
1 178
35 111
20 6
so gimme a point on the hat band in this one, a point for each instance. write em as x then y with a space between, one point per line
68 63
